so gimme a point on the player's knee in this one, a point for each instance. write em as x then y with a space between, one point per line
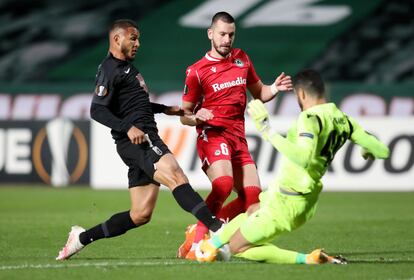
222 186
178 177
141 217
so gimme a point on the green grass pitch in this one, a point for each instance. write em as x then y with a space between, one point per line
375 231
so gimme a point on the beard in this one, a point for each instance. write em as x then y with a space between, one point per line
222 53
127 53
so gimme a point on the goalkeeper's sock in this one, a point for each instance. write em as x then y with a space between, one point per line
116 225
269 253
218 240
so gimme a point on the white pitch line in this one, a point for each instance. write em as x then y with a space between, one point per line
88 264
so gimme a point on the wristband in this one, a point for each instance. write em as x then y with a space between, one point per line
273 89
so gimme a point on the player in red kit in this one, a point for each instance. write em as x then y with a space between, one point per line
215 90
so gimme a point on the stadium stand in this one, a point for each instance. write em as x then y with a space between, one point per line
38 35
378 48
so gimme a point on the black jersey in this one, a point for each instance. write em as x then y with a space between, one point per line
121 98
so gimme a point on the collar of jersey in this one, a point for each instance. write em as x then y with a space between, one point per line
210 58
117 59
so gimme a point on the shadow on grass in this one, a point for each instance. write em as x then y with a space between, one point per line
103 258
381 257
377 253
382 261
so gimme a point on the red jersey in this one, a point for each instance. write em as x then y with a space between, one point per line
220 86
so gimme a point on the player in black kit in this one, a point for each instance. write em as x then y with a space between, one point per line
121 102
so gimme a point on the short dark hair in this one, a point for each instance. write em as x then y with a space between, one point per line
123 23
311 81
223 16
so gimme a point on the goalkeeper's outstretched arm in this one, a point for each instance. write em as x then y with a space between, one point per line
371 146
299 152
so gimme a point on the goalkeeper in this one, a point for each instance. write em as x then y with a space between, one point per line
291 199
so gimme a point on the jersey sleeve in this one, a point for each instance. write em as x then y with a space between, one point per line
302 150
252 76
367 141
104 92
104 86
192 89
158 108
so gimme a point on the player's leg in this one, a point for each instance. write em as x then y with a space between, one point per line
270 253
143 199
220 175
215 154
141 185
257 229
170 174
251 239
248 189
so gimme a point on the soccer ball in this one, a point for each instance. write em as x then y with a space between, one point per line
211 255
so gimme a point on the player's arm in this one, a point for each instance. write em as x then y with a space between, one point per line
104 91
193 91
266 93
300 152
168 110
101 113
191 119
371 146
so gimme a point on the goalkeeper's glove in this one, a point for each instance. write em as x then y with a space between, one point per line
258 112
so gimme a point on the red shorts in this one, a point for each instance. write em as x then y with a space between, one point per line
215 144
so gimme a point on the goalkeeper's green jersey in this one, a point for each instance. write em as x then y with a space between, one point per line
312 143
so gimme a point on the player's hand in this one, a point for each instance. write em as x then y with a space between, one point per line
283 82
366 154
136 135
204 115
174 111
258 112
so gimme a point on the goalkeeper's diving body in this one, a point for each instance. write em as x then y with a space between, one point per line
291 199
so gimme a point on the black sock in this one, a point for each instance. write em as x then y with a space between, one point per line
192 202
116 225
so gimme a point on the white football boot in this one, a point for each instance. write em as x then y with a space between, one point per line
73 244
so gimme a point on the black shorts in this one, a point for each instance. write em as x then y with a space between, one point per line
141 158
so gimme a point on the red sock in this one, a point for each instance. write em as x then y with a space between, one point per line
233 208
220 190
245 198
252 195
201 231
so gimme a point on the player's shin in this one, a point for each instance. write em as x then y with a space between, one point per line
192 202
116 225
269 253
246 197
219 239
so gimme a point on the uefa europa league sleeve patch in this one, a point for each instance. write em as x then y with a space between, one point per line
101 91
